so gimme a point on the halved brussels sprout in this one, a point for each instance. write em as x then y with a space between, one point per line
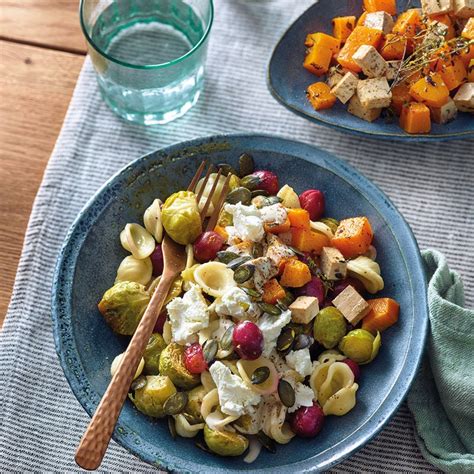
172 365
152 353
193 408
123 305
181 218
150 398
360 346
225 443
329 327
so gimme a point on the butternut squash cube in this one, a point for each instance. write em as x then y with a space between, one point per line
320 96
389 6
430 90
415 118
323 48
342 27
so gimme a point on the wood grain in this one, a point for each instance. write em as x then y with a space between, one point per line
49 23
36 85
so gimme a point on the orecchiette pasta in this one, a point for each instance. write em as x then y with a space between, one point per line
185 429
137 240
189 256
339 376
274 424
289 197
207 382
211 414
133 269
214 278
208 187
367 271
246 369
322 228
371 253
152 220
116 362
342 402
330 355
254 450
167 332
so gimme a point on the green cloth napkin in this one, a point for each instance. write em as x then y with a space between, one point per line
442 396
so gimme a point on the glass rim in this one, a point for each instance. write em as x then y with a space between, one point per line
148 66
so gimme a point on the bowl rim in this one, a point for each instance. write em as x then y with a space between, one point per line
321 120
64 274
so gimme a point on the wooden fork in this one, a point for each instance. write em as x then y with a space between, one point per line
95 440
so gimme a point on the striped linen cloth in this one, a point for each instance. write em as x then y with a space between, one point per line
40 420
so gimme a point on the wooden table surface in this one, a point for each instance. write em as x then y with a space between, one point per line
42 50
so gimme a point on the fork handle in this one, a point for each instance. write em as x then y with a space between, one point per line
95 440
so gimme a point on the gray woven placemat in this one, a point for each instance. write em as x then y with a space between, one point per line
40 420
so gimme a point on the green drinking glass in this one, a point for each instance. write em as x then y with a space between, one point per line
149 55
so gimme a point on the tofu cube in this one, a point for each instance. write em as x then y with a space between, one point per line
370 60
436 7
333 264
374 93
346 87
437 31
444 114
304 309
352 306
464 98
464 8
357 109
379 21
392 69
334 76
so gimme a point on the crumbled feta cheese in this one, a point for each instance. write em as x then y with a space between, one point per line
304 396
464 8
357 109
370 60
300 361
234 395
271 327
392 69
276 250
346 87
248 224
379 21
464 98
436 7
374 93
274 214
445 113
234 302
188 315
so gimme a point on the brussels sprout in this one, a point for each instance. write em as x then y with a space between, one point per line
225 443
123 305
152 353
150 398
225 218
329 327
181 218
193 408
172 365
360 346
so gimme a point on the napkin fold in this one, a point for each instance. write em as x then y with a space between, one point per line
442 396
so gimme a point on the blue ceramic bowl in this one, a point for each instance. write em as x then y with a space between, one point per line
92 252
288 80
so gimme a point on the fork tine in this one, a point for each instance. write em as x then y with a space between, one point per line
197 175
204 183
209 198
215 215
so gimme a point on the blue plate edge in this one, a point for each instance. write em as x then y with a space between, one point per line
345 169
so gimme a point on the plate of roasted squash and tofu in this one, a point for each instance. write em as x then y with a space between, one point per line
393 69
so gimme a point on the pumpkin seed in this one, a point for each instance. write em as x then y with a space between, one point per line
333 224
302 342
269 308
270 200
234 264
176 403
246 164
266 442
257 250
251 292
172 427
244 273
250 182
260 375
282 305
226 169
239 194
286 393
192 420
260 192
285 339
226 257
226 339
210 350
138 383
288 299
